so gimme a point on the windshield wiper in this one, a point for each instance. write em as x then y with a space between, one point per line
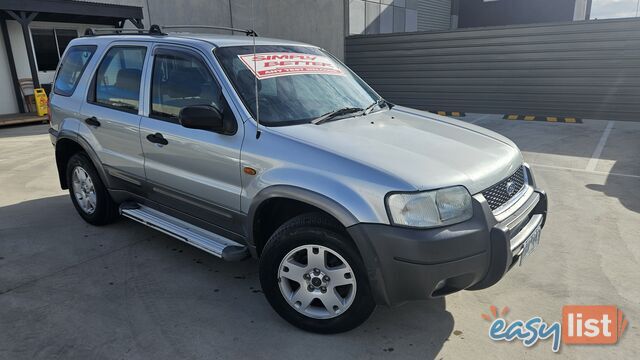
380 102
335 113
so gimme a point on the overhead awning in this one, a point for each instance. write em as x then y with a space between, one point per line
72 11
63 11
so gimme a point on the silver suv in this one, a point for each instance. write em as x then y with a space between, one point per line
245 146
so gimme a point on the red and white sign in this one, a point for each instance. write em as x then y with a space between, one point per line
269 65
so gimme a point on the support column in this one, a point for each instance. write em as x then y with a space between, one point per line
137 23
24 20
455 14
588 14
12 66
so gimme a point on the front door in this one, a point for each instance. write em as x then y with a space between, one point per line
196 172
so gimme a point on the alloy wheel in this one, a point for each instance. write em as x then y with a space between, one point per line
317 281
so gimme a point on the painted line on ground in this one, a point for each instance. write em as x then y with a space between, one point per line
593 172
552 119
593 162
483 117
449 113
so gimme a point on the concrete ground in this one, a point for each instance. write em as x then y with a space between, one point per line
69 290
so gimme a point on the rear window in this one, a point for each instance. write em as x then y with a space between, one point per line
117 82
71 69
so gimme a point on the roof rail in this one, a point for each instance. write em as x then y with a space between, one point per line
248 32
153 30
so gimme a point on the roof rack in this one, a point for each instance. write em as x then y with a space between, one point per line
153 30
248 32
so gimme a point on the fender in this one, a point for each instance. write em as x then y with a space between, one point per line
84 144
333 208
326 204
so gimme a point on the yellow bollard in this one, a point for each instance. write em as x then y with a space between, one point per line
41 101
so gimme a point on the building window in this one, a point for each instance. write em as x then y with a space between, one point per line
49 44
384 16
64 37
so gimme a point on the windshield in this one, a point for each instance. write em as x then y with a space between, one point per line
296 84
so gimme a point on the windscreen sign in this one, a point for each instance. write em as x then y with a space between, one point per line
270 65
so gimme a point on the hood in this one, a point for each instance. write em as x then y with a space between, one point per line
420 148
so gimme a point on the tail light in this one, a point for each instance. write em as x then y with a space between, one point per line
49 109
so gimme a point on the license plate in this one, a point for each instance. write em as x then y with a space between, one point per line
530 244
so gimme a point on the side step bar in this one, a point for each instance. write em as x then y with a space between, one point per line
205 240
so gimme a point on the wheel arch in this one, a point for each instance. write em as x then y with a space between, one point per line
292 200
66 146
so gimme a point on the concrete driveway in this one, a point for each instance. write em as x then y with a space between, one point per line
69 290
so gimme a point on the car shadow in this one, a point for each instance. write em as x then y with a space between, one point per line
421 326
132 287
620 187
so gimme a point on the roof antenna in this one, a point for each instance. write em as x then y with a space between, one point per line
255 73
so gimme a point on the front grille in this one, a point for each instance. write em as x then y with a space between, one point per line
497 195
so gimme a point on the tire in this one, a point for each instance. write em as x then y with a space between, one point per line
101 209
286 257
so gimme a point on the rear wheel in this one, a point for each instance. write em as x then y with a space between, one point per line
314 277
88 194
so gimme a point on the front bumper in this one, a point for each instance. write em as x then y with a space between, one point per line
412 264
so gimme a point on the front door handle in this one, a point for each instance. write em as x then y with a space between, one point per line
157 138
93 121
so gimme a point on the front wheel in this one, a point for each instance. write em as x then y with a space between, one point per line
313 276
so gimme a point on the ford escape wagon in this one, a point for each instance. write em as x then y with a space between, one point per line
246 146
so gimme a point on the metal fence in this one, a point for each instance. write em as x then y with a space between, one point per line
588 69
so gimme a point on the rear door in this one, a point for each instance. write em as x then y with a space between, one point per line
196 172
111 113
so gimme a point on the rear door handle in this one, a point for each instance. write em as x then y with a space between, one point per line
93 121
157 138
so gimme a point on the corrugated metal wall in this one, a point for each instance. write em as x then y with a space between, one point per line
434 15
584 69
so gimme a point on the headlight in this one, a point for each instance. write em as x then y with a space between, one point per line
430 208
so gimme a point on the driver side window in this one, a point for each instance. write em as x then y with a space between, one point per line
180 80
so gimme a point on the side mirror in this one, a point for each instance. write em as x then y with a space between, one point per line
203 117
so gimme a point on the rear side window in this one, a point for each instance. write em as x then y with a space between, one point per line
117 82
71 69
